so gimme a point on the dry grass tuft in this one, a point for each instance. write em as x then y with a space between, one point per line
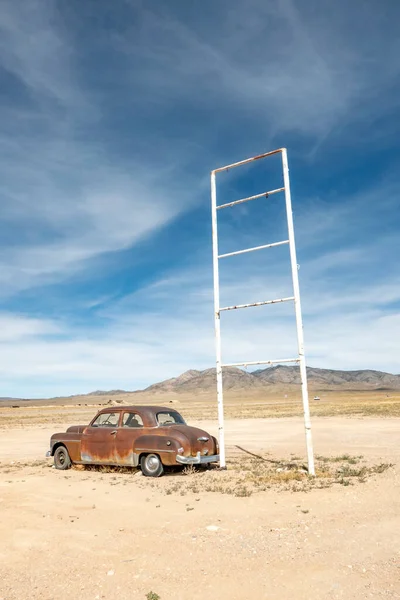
342 458
189 470
249 475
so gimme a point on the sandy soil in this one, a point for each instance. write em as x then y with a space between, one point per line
93 535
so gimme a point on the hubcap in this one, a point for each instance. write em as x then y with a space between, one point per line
152 463
61 458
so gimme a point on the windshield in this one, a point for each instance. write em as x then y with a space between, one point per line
169 417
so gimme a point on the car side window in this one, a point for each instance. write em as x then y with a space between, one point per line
106 420
132 420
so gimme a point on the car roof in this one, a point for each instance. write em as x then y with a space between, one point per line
149 409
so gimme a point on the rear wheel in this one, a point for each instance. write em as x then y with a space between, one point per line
151 465
62 460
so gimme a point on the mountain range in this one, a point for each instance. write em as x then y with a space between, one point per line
269 379
280 375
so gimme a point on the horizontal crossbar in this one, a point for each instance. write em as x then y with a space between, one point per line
263 195
263 303
247 160
262 362
253 249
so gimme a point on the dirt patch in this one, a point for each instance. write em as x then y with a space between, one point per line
99 534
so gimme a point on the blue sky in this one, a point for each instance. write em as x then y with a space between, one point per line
112 116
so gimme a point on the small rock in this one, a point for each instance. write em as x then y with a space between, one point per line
110 572
212 528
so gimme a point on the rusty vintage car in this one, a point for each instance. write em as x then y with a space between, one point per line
149 437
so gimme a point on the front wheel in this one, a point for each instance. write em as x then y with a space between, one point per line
151 465
62 460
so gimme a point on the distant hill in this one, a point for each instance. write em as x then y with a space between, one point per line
365 378
280 375
192 381
267 380
109 393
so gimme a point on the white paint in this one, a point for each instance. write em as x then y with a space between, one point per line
296 298
299 320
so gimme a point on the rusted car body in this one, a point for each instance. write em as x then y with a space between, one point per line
147 436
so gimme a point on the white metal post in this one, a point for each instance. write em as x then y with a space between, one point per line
217 318
296 297
299 321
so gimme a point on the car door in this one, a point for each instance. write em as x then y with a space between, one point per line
98 439
131 427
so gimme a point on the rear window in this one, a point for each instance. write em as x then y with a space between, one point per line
170 418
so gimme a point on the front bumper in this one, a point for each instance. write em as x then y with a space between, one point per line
197 460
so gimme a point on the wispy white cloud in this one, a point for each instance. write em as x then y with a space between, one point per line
19 328
98 221
35 50
182 89
132 346
66 199
294 67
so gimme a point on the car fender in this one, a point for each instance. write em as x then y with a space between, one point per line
72 442
163 445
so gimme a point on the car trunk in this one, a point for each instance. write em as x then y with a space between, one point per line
200 440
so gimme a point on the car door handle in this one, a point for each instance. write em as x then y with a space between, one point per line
113 432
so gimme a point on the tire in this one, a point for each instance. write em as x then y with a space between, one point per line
62 460
151 465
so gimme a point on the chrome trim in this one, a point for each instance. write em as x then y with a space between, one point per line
154 451
64 441
196 460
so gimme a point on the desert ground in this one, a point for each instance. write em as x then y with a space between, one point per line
261 529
